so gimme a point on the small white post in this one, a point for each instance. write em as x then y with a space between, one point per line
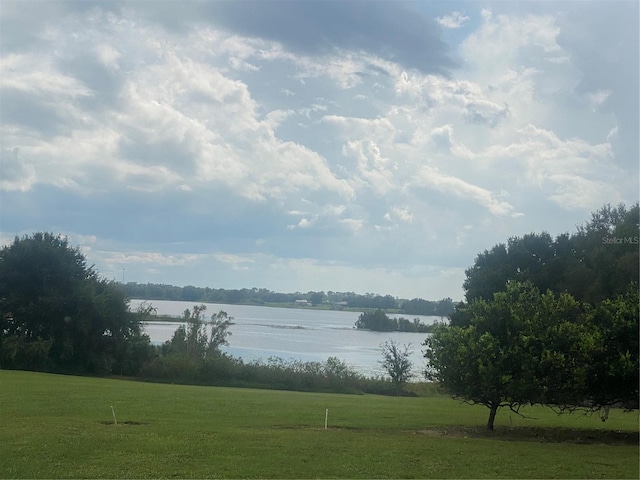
114 416
326 418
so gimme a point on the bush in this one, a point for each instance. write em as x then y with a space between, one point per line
172 368
330 376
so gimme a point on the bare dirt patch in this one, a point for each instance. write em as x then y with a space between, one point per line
126 423
537 434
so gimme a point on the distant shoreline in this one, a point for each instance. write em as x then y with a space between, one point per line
392 311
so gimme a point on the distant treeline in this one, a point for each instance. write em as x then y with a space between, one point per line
262 296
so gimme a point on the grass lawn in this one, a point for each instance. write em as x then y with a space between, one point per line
54 426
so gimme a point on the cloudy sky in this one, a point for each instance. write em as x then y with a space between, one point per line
312 145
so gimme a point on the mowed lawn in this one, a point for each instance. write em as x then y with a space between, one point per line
54 426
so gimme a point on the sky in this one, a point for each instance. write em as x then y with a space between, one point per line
352 146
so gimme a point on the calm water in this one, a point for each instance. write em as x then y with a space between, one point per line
307 335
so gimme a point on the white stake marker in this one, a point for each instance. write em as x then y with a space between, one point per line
326 418
114 416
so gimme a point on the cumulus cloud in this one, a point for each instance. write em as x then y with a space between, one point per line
339 132
560 167
506 41
576 192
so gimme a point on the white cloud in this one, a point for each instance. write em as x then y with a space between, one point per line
236 262
246 145
598 98
36 75
108 55
453 20
353 225
576 192
430 177
155 258
373 169
402 213
560 167
511 45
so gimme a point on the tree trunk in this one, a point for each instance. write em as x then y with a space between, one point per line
493 409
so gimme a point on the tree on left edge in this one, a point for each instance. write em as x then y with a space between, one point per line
57 314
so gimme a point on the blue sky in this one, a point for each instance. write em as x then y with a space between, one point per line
301 145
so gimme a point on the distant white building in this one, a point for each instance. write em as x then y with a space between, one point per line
302 303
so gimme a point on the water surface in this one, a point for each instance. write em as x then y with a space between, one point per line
291 333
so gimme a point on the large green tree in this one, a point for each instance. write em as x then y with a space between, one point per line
57 314
614 371
597 262
587 360
519 348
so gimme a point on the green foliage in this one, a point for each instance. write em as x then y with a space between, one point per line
192 340
597 262
170 368
613 372
333 375
56 314
519 348
419 306
396 362
316 298
588 358
379 321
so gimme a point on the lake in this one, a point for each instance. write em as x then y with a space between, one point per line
295 334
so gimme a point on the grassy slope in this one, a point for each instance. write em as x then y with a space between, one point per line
59 426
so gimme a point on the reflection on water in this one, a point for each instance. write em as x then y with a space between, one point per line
295 334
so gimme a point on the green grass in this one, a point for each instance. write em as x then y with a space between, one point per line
54 426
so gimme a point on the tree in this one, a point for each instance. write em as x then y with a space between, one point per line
418 306
607 246
613 373
57 314
316 298
597 262
594 272
192 340
396 362
489 273
377 320
520 348
220 323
